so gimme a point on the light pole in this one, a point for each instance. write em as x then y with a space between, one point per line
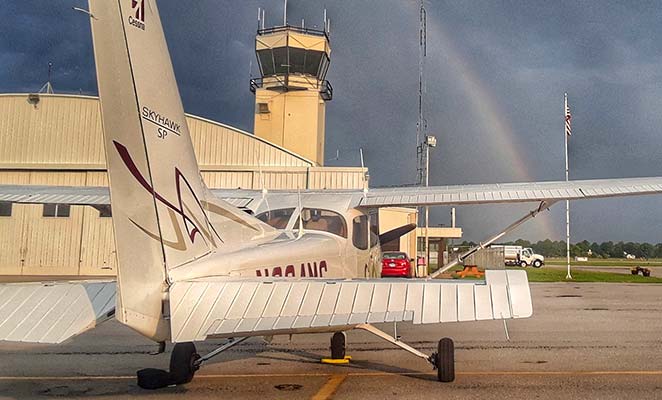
567 132
430 141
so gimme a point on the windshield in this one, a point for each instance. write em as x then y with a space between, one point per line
276 218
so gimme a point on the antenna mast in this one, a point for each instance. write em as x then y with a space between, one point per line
421 124
48 88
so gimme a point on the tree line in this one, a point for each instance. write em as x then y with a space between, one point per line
556 248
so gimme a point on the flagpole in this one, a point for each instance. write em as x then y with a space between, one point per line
567 202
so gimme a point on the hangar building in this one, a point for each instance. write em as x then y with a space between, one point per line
56 139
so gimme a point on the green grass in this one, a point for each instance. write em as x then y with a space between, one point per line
558 275
610 262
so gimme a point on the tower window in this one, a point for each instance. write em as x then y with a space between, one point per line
263 108
57 210
5 209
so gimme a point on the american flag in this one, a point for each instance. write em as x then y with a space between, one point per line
568 118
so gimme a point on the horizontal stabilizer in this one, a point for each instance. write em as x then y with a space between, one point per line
53 312
214 307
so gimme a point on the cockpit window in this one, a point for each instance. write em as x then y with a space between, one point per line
317 219
276 218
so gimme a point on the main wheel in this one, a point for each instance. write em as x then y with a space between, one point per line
446 360
338 345
537 264
182 363
523 264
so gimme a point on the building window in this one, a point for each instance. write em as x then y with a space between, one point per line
57 210
104 211
5 209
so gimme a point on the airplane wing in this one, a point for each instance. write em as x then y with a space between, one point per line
54 312
377 197
210 307
510 192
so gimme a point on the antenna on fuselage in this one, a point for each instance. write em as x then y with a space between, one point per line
364 174
300 212
263 188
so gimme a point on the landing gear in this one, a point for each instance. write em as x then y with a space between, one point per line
444 360
183 364
184 361
338 347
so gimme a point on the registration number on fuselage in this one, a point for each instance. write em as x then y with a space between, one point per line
301 270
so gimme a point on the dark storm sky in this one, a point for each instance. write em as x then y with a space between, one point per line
496 72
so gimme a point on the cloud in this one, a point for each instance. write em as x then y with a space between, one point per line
495 76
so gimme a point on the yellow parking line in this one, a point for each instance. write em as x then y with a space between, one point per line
330 387
336 377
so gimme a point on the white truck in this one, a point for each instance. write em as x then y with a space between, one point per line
522 256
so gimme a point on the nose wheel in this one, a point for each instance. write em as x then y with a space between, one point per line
338 347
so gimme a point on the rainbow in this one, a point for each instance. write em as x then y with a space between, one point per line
501 133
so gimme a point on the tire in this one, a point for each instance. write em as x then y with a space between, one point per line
537 264
446 360
182 361
523 264
151 378
338 341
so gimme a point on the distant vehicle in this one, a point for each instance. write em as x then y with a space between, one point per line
521 256
395 263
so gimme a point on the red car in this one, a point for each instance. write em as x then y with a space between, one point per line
396 264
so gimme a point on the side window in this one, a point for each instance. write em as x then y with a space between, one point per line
56 210
5 209
374 229
317 219
360 232
276 218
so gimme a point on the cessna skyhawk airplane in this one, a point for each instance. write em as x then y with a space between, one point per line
192 266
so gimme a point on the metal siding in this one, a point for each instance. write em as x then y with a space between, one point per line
11 227
57 130
52 245
97 253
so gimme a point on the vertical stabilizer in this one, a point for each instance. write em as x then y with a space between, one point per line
161 207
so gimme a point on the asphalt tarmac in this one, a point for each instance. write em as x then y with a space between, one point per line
585 341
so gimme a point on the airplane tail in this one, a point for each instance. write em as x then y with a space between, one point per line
163 214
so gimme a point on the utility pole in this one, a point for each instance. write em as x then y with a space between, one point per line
566 133
430 141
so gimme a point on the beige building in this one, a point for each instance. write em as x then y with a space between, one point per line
51 139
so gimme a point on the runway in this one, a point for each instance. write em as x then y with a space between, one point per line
599 341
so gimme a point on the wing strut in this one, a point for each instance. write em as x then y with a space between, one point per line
544 205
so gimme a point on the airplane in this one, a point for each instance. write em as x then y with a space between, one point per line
196 264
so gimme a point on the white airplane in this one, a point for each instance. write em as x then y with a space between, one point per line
192 266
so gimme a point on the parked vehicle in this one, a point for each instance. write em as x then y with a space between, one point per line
396 264
521 256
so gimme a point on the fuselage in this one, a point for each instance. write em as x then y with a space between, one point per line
331 241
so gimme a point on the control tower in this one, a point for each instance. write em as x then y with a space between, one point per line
292 90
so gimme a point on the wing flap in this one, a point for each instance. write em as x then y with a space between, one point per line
262 306
53 312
